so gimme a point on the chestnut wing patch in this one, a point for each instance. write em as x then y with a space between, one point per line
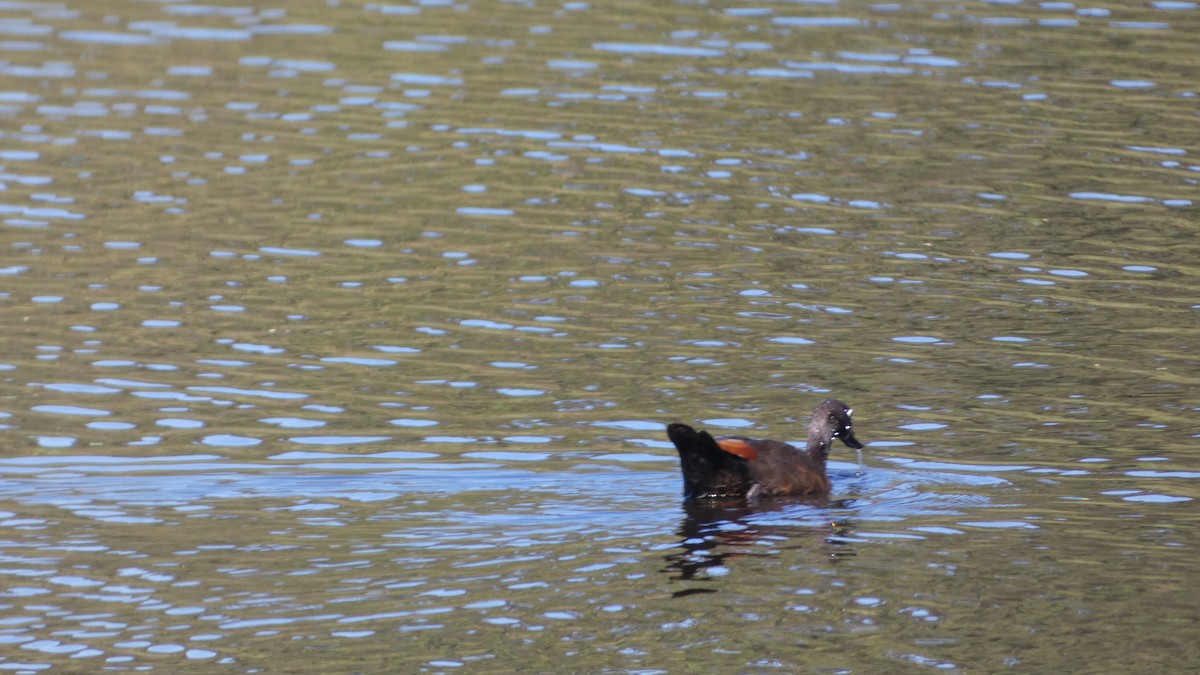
738 447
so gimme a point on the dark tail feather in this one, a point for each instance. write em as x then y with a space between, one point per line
708 471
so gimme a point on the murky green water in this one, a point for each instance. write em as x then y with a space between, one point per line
340 337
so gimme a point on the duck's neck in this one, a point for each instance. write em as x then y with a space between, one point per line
819 442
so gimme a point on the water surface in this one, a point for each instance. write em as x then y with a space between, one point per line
346 334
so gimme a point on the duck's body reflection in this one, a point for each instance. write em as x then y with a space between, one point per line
714 532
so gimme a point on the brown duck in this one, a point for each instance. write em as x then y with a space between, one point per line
750 467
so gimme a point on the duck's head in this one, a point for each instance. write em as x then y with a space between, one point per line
832 420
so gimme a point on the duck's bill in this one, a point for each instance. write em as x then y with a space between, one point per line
851 441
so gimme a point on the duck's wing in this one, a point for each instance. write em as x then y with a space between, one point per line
740 447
